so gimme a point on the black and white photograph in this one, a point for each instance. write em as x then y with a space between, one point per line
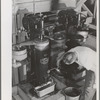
53 50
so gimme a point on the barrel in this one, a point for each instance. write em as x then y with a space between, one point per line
72 93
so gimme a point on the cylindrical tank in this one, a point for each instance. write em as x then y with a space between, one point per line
19 55
40 59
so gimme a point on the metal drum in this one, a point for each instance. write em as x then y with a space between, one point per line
40 60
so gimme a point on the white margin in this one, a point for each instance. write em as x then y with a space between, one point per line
98 50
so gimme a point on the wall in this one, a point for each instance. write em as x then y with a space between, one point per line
69 3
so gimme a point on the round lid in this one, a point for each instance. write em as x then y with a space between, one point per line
59 36
15 48
41 42
19 50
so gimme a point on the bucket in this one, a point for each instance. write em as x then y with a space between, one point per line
72 93
84 34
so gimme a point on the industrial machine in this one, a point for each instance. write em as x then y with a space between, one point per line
48 33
